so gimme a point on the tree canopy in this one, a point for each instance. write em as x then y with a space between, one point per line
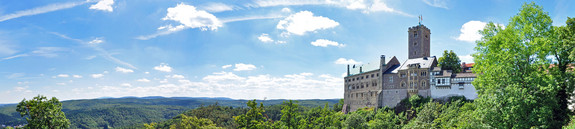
449 61
42 113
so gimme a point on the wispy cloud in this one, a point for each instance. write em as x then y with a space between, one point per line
436 3
49 52
217 7
366 6
41 10
104 53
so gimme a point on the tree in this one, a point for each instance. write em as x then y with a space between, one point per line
338 106
290 113
562 49
192 122
449 61
254 118
514 89
42 113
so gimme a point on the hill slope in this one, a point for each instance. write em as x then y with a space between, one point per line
130 111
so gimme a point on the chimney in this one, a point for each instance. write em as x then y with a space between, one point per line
360 71
347 69
382 62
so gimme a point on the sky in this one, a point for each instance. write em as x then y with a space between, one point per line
241 49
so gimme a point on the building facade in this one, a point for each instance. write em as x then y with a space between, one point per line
386 83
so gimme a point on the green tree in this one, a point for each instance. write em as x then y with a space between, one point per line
254 118
387 119
562 49
42 113
290 113
192 122
514 90
338 106
449 61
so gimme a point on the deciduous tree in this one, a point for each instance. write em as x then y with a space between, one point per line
42 113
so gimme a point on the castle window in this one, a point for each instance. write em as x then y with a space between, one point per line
378 74
414 52
414 43
415 34
423 84
423 73
402 84
361 77
372 75
402 75
366 76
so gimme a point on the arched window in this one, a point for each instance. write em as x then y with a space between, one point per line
402 84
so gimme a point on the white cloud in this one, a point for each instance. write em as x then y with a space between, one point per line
104 5
41 10
244 67
227 84
190 17
126 84
163 67
286 10
97 75
265 38
346 61
176 76
146 72
217 7
222 76
304 21
63 75
76 76
123 70
326 43
226 66
466 58
143 80
96 41
280 42
470 31
436 3
366 6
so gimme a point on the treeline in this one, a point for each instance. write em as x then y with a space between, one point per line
413 112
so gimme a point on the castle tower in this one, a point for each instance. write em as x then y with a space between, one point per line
418 41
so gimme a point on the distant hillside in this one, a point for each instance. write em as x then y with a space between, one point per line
129 111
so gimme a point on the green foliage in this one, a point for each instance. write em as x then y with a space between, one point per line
191 122
355 121
562 48
254 118
387 119
514 89
290 113
320 118
449 61
338 106
42 113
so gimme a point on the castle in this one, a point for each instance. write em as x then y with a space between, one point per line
386 83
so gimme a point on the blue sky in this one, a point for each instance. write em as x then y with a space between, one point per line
248 49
